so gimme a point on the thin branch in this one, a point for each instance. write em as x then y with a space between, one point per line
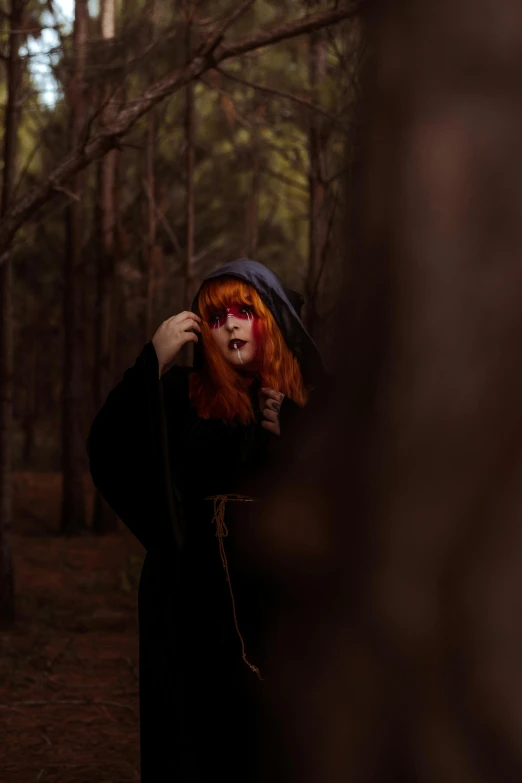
238 115
282 94
98 112
36 148
292 183
326 246
289 30
27 31
208 56
162 219
70 195
216 38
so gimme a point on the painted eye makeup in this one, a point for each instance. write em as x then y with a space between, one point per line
242 312
217 319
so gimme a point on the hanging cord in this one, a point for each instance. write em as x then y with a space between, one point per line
220 502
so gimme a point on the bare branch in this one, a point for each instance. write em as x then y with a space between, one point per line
305 25
36 148
273 91
70 195
326 245
163 220
216 37
208 56
292 183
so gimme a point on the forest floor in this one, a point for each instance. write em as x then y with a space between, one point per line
69 667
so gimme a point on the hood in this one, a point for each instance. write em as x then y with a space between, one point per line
284 304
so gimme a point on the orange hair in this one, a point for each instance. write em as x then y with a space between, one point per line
217 390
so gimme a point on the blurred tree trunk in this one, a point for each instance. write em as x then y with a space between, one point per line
318 221
73 439
397 538
104 519
12 117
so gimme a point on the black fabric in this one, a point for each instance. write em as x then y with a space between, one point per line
155 461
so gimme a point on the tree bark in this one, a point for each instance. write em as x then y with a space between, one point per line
104 519
73 438
186 353
189 174
7 596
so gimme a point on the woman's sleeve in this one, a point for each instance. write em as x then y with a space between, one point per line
124 453
289 415
293 419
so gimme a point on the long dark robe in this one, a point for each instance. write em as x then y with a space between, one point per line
155 462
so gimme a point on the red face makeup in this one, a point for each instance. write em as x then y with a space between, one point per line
239 311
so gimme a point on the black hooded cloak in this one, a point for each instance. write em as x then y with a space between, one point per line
155 462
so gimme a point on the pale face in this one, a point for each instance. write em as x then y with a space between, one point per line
234 334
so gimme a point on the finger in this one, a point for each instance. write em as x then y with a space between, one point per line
273 394
184 315
190 317
274 405
274 428
180 318
190 337
270 415
189 323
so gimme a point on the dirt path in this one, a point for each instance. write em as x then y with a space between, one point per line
68 670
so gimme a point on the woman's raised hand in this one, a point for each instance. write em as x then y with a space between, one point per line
172 336
270 402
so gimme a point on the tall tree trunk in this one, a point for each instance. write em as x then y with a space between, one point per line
104 519
189 174
73 440
317 184
153 253
7 598
404 541
186 353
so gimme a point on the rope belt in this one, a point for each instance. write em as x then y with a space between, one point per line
220 502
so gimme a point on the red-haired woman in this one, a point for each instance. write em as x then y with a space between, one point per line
175 451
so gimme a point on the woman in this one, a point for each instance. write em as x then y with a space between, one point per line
164 453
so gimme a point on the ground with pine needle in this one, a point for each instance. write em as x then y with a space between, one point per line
68 669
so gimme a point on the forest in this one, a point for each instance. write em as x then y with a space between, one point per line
370 154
